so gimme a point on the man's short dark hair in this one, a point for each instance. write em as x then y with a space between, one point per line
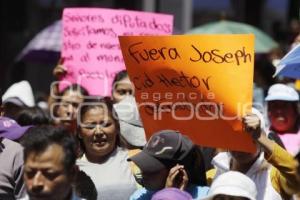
38 139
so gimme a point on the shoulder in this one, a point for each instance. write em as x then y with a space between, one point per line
11 150
11 146
142 194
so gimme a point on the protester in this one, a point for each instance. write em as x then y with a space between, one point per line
65 110
49 171
131 127
272 169
170 159
282 103
104 158
121 86
17 97
171 194
232 185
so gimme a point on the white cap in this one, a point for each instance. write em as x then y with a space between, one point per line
234 184
131 127
282 92
19 92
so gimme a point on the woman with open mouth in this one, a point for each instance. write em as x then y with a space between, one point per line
104 156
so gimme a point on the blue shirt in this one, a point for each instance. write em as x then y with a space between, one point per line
196 192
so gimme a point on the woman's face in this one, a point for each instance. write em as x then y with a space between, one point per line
121 89
68 106
98 132
282 115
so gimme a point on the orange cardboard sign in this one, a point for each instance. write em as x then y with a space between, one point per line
200 85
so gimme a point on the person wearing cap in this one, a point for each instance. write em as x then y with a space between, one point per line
282 104
232 185
271 168
170 159
17 96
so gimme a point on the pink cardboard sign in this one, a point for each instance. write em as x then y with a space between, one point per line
91 49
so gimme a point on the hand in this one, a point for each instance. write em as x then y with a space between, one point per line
251 123
59 71
177 177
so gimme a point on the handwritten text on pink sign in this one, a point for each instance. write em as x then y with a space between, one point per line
91 48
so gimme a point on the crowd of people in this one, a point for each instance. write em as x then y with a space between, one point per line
78 146
91 148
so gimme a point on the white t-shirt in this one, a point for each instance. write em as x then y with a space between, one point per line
113 179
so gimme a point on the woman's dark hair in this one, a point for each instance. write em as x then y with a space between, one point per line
119 76
74 87
32 116
85 187
194 164
195 167
105 103
37 139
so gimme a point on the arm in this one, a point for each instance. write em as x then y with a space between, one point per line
58 72
284 171
284 166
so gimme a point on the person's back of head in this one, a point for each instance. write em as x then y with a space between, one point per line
33 116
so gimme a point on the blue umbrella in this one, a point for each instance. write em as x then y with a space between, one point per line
289 65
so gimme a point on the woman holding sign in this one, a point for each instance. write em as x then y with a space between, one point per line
104 158
272 169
